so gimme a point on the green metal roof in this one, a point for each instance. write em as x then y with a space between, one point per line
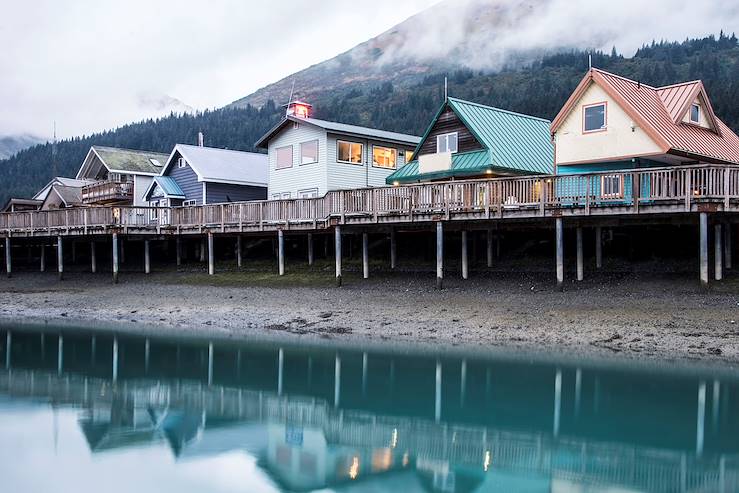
515 143
169 186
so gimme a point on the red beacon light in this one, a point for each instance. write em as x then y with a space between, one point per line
299 109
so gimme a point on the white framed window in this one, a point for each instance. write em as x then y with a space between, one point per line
447 142
308 194
189 203
181 163
309 152
594 117
349 152
285 196
276 196
695 113
384 157
284 157
611 186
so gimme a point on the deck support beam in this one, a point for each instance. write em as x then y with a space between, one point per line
202 249
465 264
728 246
718 252
93 258
239 251
178 250
115 258
147 257
439 255
559 240
337 251
580 267
60 257
281 252
704 248
211 256
8 260
365 255
42 267
310 250
489 233
598 247
393 250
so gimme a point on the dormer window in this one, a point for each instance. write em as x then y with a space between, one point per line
695 113
594 117
447 143
181 163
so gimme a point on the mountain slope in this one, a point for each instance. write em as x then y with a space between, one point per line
10 144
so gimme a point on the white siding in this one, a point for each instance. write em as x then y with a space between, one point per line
140 185
299 177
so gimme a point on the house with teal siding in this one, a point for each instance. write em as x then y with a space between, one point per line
467 140
611 123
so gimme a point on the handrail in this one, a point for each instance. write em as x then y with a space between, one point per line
630 188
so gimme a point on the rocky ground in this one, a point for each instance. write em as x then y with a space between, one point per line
643 316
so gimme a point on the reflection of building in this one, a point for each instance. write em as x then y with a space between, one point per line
366 421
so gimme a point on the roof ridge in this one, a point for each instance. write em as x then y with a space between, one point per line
140 151
624 78
501 110
696 81
309 119
220 149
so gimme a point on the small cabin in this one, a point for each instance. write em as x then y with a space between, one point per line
309 157
466 140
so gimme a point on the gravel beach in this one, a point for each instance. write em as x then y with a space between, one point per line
658 318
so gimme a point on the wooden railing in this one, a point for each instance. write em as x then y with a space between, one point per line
622 192
107 191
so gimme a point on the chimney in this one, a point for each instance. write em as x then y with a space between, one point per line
201 139
299 109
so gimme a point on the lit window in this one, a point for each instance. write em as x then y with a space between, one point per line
384 157
309 152
594 117
447 143
285 157
408 156
181 163
695 113
349 152
611 186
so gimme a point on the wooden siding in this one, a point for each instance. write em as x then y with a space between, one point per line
218 193
140 186
187 179
449 122
299 177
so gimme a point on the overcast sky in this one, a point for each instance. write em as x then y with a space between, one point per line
96 64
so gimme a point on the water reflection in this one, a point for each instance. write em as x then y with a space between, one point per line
225 417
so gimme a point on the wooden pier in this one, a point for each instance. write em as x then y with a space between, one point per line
687 194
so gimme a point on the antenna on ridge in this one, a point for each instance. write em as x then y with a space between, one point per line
590 61
53 154
290 101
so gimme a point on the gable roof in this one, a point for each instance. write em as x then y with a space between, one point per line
124 161
341 128
70 196
514 143
60 180
169 186
223 165
27 204
659 112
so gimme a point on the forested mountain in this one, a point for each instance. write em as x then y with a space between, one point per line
539 88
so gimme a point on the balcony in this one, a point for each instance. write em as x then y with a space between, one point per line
107 192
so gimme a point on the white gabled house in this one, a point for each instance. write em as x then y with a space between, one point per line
310 157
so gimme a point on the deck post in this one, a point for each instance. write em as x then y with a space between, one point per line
490 248
43 258
8 262
281 252
211 255
123 250
365 255
559 237
337 239
74 252
60 257
393 250
465 266
239 249
202 249
598 247
178 250
115 258
704 248
310 250
580 268
93 258
147 257
727 246
439 255
718 252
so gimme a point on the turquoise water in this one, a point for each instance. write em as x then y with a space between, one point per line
85 413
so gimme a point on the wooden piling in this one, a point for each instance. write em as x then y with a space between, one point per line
310 250
60 257
393 250
147 257
559 237
115 258
728 246
337 240
598 247
8 260
465 266
43 258
281 252
439 255
718 253
580 267
93 258
490 248
202 249
704 248
211 256
365 255
178 250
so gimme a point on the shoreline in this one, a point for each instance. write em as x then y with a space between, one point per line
660 320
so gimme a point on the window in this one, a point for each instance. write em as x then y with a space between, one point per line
181 163
188 203
308 194
309 152
285 157
594 117
611 186
408 156
695 113
286 196
276 196
349 152
384 157
447 142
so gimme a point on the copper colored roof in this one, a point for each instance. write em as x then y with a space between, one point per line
659 111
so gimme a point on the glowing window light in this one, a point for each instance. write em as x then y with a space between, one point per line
486 462
354 468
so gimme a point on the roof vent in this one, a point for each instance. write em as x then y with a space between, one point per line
201 139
